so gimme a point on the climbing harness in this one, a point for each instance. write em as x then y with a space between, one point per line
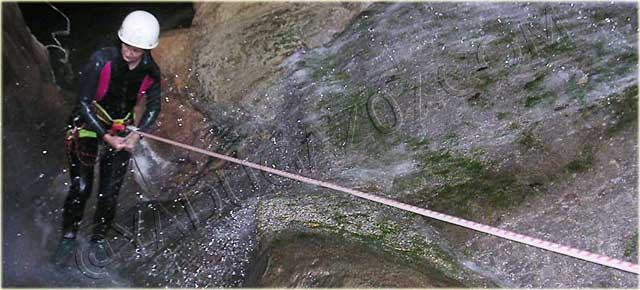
554 247
117 125
75 132
72 145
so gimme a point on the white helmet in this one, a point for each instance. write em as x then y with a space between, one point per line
140 29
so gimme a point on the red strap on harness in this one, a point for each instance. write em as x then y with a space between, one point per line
115 128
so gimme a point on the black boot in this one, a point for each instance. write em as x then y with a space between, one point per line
64 251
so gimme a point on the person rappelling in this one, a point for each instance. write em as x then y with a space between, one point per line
114 86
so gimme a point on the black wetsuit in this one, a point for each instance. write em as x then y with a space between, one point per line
119 100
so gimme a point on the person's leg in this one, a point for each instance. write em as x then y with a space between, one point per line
113 168
81 159
81 156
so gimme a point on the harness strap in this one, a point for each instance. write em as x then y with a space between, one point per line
73 146
84 133
116 125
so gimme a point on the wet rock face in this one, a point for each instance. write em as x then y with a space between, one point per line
488 111
400 241
308 260
219 253
33 115
241 45
33 110
32 104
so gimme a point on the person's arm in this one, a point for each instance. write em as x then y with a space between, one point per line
89 76
152 107
152 110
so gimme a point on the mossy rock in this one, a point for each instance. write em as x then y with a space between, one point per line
456 184
624 107
363 223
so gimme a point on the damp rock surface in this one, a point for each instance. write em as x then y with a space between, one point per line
403 249
503 113
308 260
518 115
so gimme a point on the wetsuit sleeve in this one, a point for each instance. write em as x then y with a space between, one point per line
89 76
152 107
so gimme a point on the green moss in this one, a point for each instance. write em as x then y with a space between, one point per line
387 229
533 100
535 83
416 143
339 218
351 126
600 48
599 14
502 115
452 169
503 73
536 93
528 140
476 152
624 107
560 46
514 125
482 82
450 138
628 57
497 192
327 67
384 235
583 163
577 166
631 246
452 183
622 63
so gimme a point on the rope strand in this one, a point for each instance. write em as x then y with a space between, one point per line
542 244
